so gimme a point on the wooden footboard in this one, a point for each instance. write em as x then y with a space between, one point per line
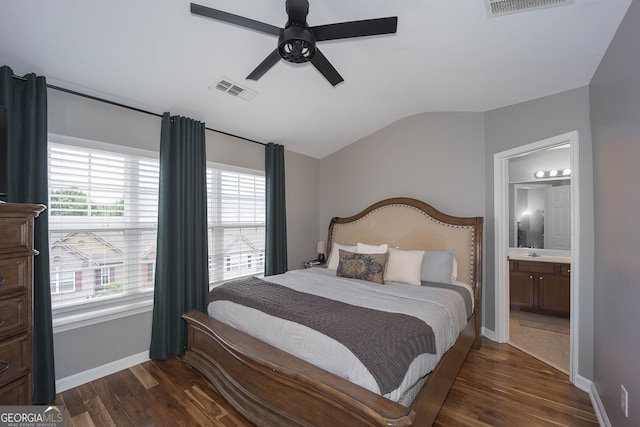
431 397
273 388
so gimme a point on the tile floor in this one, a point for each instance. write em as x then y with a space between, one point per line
548 346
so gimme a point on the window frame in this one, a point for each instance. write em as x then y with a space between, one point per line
107 308
227 262
72 316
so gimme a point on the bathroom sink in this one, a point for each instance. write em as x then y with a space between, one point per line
539 256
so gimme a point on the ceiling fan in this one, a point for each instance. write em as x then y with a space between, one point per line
297 40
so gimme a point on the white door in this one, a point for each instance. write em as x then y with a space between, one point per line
557 227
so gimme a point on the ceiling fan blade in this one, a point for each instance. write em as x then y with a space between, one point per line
265 65
235 19
324 66
344 30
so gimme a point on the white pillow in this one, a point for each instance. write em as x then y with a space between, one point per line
404 266
334 256
454 270
363 248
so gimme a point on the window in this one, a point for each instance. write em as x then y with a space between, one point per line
62 281
236 219
103 209
102 221
103 277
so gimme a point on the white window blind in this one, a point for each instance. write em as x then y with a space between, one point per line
103 208
236 219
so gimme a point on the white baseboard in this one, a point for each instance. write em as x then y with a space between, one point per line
598 407
80 378
488 333
583 384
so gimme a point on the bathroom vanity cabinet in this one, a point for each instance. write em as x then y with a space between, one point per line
540 287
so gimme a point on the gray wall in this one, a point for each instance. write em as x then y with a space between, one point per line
435 157
522 124
615 123
431 157
302 176
89 347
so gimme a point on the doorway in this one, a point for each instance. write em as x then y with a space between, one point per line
502 235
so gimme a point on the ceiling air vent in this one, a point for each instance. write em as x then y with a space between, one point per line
506 7
233 89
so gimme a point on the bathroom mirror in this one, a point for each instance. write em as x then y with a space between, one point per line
528 214
540 208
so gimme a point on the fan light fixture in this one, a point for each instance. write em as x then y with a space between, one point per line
296 45
553 173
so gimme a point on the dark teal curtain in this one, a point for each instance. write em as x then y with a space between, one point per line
276 221
26 103
182 275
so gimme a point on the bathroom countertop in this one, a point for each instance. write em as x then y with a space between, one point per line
541 255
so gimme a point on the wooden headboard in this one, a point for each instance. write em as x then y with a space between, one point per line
412 224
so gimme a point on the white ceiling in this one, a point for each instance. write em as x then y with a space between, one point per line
447 55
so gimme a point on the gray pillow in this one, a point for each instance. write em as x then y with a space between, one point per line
437 266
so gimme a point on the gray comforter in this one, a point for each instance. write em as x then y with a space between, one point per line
442 309
386 343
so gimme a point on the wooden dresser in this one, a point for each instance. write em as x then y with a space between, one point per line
16 302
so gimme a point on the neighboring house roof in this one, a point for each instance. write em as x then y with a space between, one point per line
241 244
90 248
149 254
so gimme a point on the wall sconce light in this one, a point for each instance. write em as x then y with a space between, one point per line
553 173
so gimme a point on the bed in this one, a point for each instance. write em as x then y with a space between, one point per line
273 387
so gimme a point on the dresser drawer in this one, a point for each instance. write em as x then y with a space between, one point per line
16 393
14 358
15 235
14 275
14 316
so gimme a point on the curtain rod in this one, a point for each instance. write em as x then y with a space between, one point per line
139 110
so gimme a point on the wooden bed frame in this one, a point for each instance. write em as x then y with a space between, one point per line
273 388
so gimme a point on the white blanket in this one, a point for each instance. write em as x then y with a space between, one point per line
442 309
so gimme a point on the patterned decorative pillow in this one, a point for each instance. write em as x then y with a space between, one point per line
369 267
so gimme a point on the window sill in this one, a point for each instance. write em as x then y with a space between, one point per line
78 316
104 310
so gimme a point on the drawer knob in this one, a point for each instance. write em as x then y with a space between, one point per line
2 280
1 321
4 366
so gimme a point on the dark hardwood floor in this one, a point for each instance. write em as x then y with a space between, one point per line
497 386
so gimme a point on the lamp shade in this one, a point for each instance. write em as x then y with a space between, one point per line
321 247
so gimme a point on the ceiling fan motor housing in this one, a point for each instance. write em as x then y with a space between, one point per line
296 45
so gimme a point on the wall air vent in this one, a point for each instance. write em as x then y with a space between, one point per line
506 7
233 89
